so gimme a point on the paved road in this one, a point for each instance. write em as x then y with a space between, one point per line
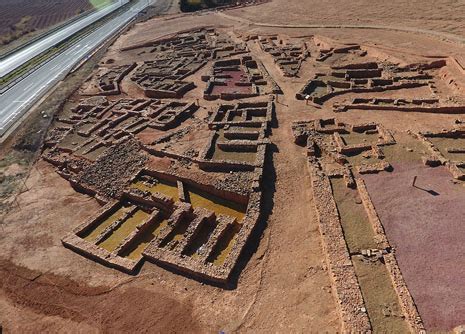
17 59
17 100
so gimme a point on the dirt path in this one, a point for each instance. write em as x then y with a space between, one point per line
437 34
295 290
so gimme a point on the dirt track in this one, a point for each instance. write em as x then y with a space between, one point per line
438 34
445 16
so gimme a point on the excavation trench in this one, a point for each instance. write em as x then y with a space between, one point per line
379 295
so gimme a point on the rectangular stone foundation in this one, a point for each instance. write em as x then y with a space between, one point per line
345 286
176 244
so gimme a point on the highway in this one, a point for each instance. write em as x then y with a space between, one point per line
17 59
16 101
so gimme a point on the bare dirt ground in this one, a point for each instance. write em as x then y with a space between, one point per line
284 285
442 16
429 224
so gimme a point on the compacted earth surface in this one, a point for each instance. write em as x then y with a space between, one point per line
288 166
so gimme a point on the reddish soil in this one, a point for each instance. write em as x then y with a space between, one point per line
109 309
231 86
443 15
427 232
22 16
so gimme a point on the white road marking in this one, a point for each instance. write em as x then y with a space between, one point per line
15 102
17 59
29 86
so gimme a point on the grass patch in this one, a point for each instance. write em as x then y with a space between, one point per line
358 232
380 297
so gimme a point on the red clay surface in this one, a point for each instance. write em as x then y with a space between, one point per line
231 87
427 230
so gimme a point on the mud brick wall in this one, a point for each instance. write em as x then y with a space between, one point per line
346 289
160 201
115 75
178 89
115 225
228 195
374 168
90 250
225 166
98 254
238 145
140 230
437 158
238 96
357 66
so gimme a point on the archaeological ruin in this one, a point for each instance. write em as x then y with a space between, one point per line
109 147
255 164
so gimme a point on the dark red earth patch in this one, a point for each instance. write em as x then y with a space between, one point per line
426 225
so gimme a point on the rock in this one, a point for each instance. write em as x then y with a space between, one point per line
459 329
386 312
